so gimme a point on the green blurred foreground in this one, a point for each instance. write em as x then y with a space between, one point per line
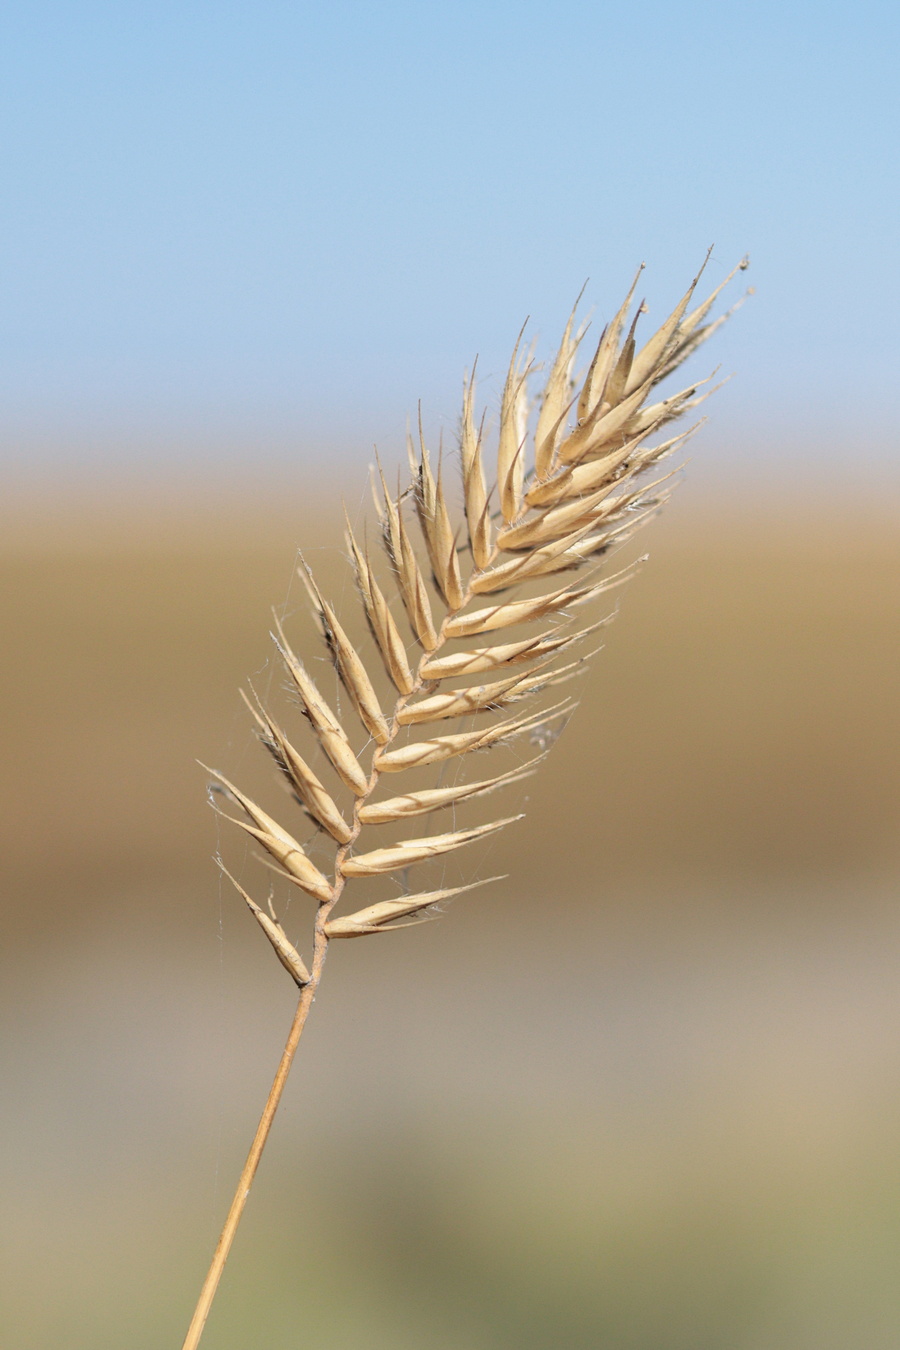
646 1096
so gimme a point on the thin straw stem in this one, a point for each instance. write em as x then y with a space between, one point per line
223 1247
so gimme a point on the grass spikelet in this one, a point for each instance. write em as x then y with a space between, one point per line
606 358
381 622
437 531
409 852
354 675
419 754
307 786
513 425
463 702
287 954
276 841
563 489
331 734
433 799
474 488
375 918
556 400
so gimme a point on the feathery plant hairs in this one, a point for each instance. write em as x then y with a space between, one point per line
568 488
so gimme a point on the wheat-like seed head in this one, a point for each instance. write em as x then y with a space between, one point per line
558 499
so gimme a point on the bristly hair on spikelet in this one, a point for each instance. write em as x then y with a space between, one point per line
566 488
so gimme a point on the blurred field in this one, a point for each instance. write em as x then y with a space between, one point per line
644 1097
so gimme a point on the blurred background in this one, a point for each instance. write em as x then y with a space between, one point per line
645 1094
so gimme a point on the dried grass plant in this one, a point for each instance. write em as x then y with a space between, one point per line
567 487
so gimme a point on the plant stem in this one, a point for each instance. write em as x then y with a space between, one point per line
223 1247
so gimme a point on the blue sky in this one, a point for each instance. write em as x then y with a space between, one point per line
265 230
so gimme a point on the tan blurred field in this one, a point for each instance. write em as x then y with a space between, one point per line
674 1125
742 721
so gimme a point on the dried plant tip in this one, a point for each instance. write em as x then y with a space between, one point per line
627 461
415 593
474 490
315 598
413 590
285 951
555 402
528 565
353 673
276 841
605 357
514 612
584 551
418 754
483 659
599 543
658 414
305 783
409 852
553 524
588 440
615 385
513 423
331 734
656 349
381 622
374 918
691 322
434 799
463 702
449 577
437 530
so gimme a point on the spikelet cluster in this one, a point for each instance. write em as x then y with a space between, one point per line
566 486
